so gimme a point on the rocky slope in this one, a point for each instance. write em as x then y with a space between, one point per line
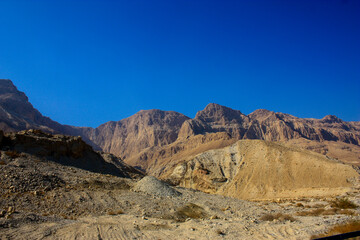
253 169
66 150
155 159
131 135
42 199
17 113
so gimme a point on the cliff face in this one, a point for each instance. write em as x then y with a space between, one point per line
280 127
216 118
268 125
131 135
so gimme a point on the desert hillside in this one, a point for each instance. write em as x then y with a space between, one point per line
255 169
57 187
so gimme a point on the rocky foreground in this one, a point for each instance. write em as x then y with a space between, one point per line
48 191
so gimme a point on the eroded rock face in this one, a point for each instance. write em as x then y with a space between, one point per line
145 129
267 125
253 169
66 150
216 118
156 160
283 127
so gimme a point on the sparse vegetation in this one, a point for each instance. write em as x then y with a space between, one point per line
277 216
322 211
190 210
339 229
343 203
117 212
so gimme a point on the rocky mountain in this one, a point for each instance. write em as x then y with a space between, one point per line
256 169
267 125
17 113
131 135
150 138
218 125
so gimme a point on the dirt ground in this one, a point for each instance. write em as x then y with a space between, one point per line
45 200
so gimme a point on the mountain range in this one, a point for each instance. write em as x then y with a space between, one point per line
151 138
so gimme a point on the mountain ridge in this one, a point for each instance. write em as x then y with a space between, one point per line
147 129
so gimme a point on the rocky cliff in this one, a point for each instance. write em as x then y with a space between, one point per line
147 128
268 125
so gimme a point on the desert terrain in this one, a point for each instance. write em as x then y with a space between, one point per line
45 197
162 175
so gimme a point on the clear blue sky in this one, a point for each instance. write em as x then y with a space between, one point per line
88 62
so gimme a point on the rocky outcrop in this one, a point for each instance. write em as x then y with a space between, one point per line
253 169
216 118
283 127
155 160
66 150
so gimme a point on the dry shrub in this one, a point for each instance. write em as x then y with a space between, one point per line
110 212
277 216
188 211
68 217
322 211
12 154
316 212
191 211
2 162
343 203
351 226
300 205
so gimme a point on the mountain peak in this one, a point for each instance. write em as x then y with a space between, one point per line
215 112
9 91
331 119
217 107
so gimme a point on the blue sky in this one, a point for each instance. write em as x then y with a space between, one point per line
88 62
